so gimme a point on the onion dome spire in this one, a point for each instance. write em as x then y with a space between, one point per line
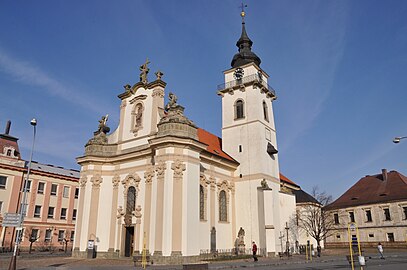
244 44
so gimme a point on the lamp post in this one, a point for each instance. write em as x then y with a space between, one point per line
23 204
398 139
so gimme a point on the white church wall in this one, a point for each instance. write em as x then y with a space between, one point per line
190 211
104 214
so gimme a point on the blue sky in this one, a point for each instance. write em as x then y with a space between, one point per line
339 69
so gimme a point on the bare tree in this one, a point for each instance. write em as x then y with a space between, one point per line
312 218
33 235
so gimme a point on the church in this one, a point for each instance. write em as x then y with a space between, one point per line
160 184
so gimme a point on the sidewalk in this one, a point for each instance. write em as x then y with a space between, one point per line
64 261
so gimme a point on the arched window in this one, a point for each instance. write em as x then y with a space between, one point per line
265 111
239 109
201 203
131 201
223 209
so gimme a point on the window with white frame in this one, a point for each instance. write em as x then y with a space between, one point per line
28 186
51 212
63 213
74 214
61 235
41 188
54 188
48 235
34 235
3 181
37 211
66 192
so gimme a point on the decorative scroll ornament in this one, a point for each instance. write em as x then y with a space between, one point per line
82 181
203 181
116 181
131 180
178 168
96 181
120 212
212 182
160 169
148 175
137 212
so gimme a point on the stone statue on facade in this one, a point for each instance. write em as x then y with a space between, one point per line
172 103
264 184
99 136
144 71
240 241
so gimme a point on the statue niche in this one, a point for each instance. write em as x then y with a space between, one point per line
137 122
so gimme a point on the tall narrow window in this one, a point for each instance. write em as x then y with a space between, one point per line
352 217
74 214
239 109
201 202
368 216
63 213
336 218
76 193
37 211
48 233
51 212
265 111
3 181
54 188
66 192
131 200
387 214
405 212
41 186
61 235
223 214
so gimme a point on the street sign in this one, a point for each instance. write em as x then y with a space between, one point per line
11 220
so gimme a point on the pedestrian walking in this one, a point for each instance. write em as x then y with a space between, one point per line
380 249
319 251
254 249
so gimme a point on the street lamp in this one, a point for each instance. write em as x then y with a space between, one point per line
23 205
398 139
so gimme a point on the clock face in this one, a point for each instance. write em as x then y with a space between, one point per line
238 74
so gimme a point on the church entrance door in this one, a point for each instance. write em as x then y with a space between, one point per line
128 242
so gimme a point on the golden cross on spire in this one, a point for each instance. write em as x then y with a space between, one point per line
242 13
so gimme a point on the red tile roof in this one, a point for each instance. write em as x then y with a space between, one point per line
373 189
214 143
285 179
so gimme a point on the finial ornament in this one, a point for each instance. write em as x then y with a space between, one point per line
242 13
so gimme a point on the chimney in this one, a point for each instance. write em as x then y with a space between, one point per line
8 127
384 174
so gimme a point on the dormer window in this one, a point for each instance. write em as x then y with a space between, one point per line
239 109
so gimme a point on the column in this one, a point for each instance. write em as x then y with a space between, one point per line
178 167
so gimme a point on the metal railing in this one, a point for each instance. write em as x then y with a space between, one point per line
245 80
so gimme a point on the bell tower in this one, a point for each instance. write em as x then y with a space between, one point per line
249 136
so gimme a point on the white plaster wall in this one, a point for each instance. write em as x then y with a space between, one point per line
190 205
104 214
167 219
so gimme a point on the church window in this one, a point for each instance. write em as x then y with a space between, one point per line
240 148
201 202
223 215
131 200
265 111
239 109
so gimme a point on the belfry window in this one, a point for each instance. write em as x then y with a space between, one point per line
201 203
223 210
265 111
239 109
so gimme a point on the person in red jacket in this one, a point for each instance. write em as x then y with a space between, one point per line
254 249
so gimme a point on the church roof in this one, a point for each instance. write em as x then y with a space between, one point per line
372 189
285 179
214 143
245 54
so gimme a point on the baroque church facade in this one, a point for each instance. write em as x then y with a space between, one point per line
161 184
